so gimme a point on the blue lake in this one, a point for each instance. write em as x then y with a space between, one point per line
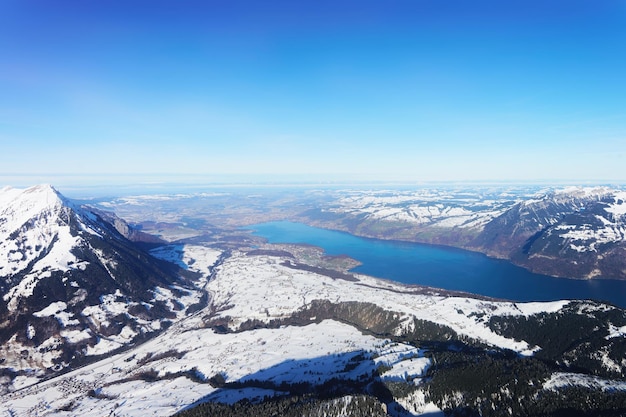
443 267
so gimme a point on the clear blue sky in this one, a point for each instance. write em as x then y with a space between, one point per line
413 90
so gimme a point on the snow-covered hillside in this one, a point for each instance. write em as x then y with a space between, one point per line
34 229
198 360
187 354
181 358
429 207
605 225
573 232
73 287
263 288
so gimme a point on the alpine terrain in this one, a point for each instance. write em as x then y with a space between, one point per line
73 287
221 323
576 232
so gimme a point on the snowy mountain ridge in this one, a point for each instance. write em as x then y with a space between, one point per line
73 287
437 209
38 218
573 232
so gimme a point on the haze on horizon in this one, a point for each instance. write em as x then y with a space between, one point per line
409 90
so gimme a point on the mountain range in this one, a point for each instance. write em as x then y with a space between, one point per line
574 232
95 323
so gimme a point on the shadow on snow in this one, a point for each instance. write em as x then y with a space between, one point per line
322 378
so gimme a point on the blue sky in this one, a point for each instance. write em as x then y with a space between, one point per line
410 90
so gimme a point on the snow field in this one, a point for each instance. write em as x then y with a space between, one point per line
192 257
566 379
195 258
273 354
416 404
57 310
616 331
312 353
618 208
407 363
259 287
430 207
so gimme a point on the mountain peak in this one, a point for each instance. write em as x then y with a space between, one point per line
19 206
41 188
31 199
32 220
47 192
68 275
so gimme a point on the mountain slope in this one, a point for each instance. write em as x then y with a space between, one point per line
575 232
72 286
276 337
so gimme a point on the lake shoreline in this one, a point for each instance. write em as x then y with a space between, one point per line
443 267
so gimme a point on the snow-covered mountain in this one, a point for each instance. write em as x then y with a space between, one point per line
573 232
72 286
577 232
268 330
428 207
